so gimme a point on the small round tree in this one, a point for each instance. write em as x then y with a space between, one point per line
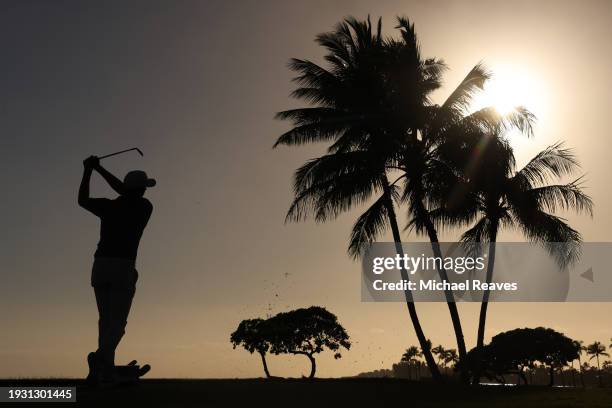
519 349
253 336
525 346
307 332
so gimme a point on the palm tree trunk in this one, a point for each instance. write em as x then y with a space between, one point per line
433 368
265 365
482 319
580 368
485 296
450 298
598 370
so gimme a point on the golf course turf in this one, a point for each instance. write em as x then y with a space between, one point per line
321 393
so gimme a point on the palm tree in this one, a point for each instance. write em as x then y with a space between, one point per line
370 104
411 354
581 349
425 171
451 357
352 111
439 351
595 350
501 197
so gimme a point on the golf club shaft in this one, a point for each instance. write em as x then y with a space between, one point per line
122 151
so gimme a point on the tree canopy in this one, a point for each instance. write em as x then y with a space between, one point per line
518 349
308 332
253 336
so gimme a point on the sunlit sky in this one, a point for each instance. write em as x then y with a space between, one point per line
195 85
511 86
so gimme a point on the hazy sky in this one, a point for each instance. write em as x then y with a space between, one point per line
195 85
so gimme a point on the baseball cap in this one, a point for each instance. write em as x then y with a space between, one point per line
137 179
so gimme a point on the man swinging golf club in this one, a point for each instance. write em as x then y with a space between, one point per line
114 275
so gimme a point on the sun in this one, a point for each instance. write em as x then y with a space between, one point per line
503 96
509 88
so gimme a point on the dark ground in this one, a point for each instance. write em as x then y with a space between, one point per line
319 393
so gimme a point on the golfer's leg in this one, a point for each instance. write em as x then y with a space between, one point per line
103 301
121 303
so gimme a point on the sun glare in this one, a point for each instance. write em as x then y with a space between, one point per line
508 89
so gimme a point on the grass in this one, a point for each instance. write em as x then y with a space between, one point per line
322 393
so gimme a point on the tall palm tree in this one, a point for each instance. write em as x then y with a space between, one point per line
425 170
496 195
595 350
357 112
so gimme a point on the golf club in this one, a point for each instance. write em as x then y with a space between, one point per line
122 151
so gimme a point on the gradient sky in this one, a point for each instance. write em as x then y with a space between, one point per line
195 85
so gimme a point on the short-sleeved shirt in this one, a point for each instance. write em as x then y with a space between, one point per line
122 222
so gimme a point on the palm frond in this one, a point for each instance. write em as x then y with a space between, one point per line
312 132
328 199
349 40
433 68
552 232
409 37
553 162
316 84
444 218
329 167
491 120
459 100
349 191
519 118
478 232
563 197
331 184
369 226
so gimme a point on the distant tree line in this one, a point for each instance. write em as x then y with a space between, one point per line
527 354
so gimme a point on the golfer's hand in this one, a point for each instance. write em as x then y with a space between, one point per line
91 162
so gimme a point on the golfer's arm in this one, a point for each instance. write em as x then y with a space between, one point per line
112 181
84 188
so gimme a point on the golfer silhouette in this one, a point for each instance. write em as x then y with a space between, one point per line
114 274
